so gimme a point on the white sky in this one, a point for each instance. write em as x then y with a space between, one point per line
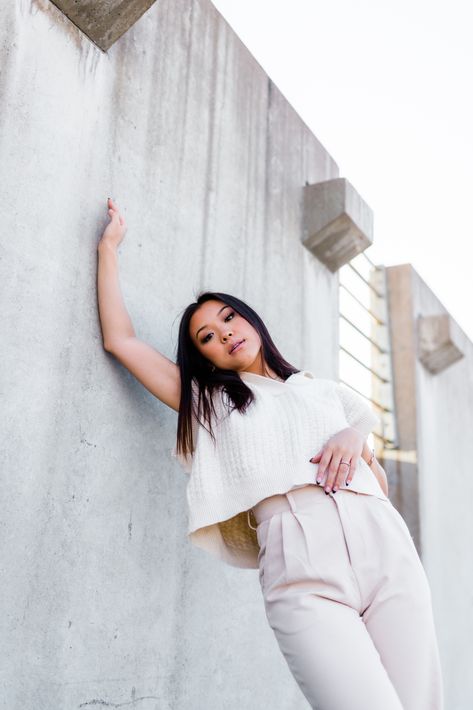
386 86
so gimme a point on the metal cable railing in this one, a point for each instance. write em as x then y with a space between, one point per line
364 341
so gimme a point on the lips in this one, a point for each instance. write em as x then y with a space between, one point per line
235 346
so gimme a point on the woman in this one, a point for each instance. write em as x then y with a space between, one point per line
282 479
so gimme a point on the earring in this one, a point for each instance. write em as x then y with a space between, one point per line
213 368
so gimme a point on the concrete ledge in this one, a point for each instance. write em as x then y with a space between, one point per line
103 22
337 224
438 342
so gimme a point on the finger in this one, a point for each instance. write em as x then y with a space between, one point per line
351 472
113 206
324 462
316 456
322 472
332 471
342 472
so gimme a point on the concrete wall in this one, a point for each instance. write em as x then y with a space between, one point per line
104 602
431 479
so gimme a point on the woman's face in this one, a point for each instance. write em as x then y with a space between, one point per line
216 327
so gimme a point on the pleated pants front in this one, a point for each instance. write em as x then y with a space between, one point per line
349 602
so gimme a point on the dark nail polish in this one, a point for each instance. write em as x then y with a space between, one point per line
326 493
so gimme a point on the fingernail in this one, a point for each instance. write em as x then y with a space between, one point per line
310 460
326 493
319 480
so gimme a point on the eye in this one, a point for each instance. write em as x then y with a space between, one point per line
207 337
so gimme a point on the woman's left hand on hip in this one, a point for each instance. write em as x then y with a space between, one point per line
338 459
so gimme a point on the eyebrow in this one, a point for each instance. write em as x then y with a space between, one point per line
206 326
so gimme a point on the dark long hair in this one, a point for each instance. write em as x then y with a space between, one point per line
194 367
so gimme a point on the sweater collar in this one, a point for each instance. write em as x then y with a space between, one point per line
302 377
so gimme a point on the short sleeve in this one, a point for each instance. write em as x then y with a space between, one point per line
358 413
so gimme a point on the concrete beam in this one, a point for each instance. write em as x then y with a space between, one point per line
103 22
338 224
401 464
438 342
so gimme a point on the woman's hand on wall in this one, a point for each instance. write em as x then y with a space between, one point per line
115 229
345 446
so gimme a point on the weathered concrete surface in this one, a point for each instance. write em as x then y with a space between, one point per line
438 341
106 21
432 477
103 600
338 224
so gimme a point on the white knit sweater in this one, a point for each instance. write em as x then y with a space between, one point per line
263 452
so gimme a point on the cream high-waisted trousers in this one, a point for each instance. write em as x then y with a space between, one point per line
348 600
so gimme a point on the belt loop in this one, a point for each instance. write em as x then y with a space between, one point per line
291 500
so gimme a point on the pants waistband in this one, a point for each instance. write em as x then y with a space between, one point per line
295 499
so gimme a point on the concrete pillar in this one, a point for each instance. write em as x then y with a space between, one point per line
401 463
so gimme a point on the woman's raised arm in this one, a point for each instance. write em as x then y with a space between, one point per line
153 369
